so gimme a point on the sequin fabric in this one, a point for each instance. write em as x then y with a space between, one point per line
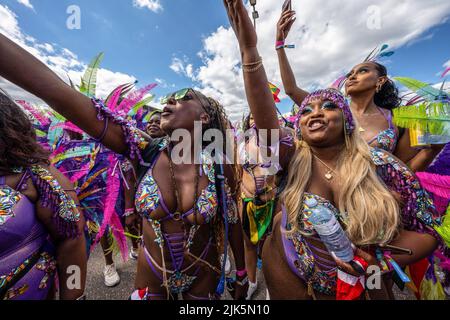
336 97
135 141
148 195
8 199
387 140
66 207
418 211
321 281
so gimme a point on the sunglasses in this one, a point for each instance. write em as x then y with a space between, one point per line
179 95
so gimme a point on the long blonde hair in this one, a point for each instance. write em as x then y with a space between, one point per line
369 210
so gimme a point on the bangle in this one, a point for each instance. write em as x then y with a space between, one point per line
105 129
241 273
252 66
129 212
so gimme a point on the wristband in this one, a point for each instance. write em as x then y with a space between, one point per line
241 273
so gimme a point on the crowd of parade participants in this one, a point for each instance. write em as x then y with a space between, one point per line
83 171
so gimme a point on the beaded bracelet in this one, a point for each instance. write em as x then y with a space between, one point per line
128 212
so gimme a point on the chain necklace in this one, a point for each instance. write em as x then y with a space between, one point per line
177 216
329 175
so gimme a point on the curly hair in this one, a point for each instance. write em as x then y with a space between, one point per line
18 144
388 96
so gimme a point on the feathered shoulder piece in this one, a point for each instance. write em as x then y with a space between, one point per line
418 211
53 196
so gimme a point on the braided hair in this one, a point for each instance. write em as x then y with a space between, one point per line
219 120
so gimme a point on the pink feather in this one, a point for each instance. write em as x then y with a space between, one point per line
36 114
338 83
134 97
112 103
435 183
445 72
110 216
81 173
439 186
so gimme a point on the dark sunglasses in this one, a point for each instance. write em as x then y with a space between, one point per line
179 95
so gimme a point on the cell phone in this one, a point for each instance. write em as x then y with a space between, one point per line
287 5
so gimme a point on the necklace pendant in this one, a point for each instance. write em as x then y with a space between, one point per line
361 129
328 176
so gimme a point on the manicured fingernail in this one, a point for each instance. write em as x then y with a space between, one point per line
353 246
334 255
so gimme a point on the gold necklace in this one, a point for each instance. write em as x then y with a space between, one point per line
329 175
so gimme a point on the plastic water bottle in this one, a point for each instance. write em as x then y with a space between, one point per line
330 231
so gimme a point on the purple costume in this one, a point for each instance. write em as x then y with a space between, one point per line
27 255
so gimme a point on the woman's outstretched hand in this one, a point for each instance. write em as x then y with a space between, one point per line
241 24
285 23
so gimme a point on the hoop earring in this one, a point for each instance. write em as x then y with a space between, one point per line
378 88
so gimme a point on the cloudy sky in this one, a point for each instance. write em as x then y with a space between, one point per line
184 43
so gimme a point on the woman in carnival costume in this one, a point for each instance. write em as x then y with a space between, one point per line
189 211
373 98
40 224
332 168
259 195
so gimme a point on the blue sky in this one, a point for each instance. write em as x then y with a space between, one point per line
143 44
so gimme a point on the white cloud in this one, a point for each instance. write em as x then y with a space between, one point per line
26 3
330 37
447 64
61 60
182 67
152 5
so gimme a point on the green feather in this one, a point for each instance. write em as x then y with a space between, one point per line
432 118
139 105
421 88
444 229
89 80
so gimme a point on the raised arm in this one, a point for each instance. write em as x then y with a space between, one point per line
259 97
23 69
284 25
417 160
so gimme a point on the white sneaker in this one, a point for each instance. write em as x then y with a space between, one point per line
112 278
251 289
134 254
227 265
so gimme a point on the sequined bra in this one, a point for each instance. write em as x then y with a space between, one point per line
386 139
149 198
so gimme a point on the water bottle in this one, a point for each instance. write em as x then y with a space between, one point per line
330 230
